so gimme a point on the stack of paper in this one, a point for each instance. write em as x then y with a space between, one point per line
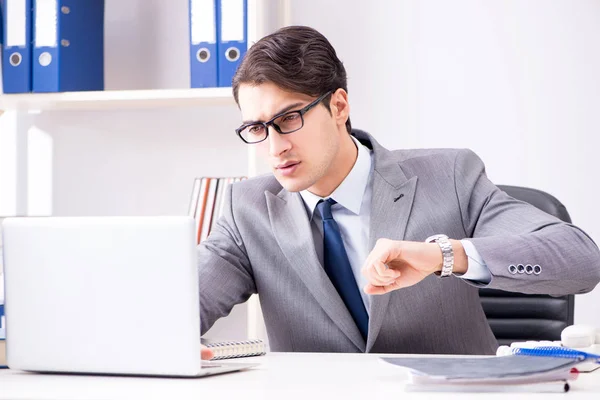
509 373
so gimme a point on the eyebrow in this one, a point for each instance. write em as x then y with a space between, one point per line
285 109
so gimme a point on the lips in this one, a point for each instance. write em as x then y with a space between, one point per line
287 164
288 168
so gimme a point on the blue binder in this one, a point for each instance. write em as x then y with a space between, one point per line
232 38
68 48
203 43
16 53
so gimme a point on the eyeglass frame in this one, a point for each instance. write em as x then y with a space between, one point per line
272 123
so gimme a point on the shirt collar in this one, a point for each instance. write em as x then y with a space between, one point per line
346 193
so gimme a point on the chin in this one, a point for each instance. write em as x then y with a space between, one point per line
291 184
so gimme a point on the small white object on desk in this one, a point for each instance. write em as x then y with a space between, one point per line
531 344
578 336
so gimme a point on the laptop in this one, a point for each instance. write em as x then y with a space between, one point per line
104 295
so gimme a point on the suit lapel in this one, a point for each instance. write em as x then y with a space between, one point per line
391 205
292 231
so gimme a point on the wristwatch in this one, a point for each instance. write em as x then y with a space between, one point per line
447 254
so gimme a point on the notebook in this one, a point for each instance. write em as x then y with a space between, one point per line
247 348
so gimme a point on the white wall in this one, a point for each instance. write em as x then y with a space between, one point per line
143 162
517 81
514 80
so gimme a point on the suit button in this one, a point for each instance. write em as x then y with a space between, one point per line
520 268
512 269
537 269
529 269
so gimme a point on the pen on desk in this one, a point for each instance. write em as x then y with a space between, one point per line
542 387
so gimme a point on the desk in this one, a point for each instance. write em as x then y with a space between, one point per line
280 376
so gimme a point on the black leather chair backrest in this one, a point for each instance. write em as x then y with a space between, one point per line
517 317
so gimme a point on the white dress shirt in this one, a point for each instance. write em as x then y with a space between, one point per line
353 214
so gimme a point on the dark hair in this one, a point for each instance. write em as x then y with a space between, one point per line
297 59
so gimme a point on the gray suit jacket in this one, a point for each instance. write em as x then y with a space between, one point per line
263 244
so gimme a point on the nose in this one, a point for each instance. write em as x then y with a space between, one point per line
278 143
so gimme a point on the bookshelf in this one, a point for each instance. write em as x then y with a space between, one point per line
128 96
116 100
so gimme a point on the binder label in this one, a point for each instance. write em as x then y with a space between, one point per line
202 19
46 23
16 22
232 20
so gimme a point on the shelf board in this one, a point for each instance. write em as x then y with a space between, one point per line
116 99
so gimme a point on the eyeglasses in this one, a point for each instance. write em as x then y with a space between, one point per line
287 122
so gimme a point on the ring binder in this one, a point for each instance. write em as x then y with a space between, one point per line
203 43
16 53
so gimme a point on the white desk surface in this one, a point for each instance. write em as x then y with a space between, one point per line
280 376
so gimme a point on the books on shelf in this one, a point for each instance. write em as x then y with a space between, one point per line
207 203
246 348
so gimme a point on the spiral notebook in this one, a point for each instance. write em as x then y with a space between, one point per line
246 348
557 352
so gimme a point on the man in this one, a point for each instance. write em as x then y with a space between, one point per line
334 240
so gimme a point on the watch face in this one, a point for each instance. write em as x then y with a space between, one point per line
435 237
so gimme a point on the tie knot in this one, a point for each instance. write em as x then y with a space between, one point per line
324 208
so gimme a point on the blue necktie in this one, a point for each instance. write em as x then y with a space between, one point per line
337 266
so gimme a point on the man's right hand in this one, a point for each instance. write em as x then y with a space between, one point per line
206 353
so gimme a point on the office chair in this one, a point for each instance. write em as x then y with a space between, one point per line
517 317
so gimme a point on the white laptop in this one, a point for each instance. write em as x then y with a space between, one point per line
104 295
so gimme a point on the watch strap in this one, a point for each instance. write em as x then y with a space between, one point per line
447 254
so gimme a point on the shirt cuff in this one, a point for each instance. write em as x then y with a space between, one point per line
477 270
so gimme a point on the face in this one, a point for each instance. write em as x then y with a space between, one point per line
304 159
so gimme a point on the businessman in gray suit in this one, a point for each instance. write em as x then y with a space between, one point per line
356 248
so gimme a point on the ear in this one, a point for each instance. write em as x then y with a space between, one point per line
340 108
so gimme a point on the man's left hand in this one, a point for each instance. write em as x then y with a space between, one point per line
206 353
394 264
